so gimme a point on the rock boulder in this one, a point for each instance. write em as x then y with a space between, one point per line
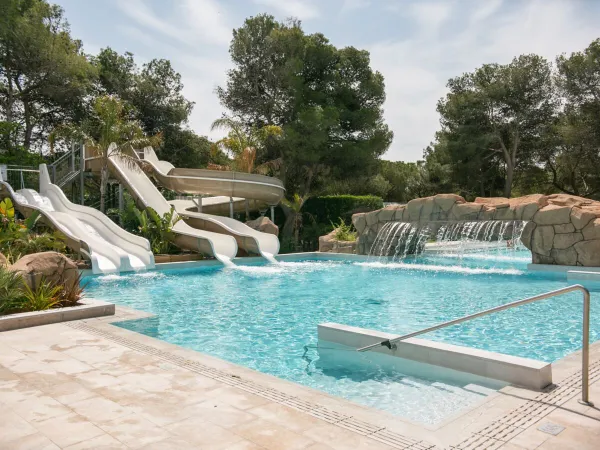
52 267
264 225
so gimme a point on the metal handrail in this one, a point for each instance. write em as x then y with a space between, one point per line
585 356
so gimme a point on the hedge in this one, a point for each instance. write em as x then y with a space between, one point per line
331 208
320 212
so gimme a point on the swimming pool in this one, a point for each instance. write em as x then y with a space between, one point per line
265 317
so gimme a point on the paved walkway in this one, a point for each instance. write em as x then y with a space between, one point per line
90 385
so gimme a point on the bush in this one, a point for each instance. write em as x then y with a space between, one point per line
321 212
343 232
327 209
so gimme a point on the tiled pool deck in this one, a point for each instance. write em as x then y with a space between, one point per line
90 385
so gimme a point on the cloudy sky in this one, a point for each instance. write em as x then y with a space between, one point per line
416 44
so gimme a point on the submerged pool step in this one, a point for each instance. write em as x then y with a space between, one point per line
524 372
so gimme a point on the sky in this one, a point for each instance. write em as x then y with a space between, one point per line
416 44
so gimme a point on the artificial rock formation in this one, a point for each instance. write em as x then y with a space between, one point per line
264 224
52 267
561 229
329 244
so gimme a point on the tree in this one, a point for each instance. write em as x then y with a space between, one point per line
494 117
153 96
44 76
243 145
572 150
108 126
328 101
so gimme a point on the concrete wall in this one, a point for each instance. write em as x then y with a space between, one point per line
562 229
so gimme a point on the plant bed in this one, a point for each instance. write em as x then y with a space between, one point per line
85 309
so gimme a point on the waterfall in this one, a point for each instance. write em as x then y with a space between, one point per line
401 239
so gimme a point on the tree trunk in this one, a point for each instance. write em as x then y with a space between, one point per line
28 125
510 171
103 184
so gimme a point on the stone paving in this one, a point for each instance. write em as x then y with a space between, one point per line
90 385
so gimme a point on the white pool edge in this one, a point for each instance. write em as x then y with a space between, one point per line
524 372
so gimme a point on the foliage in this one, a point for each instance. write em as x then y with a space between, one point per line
44 75
328 101
19 237
69 294
158 230
11 284
242 145
293 220
343 231
39 298
340 207
107 133
492 119
184 148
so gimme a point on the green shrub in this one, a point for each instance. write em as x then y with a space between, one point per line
40 298
327 209
11 292
321 212
343 232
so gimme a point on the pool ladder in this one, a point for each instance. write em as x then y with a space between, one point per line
585 355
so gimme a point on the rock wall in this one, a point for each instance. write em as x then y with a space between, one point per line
562 229
329 244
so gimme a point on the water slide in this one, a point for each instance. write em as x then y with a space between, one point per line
109 247
221 246
196 181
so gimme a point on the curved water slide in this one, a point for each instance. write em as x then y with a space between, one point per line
221 246
259 188
88 231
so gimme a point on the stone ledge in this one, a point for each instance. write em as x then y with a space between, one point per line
523 372
87 309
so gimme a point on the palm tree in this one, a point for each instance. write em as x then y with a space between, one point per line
109 125
293 217
242 144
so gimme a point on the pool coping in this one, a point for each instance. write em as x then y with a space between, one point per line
86 309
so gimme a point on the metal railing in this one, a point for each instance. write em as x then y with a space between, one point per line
585 354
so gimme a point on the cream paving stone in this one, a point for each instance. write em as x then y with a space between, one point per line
171 443
69 392
69 429
158 412
39 408
530 438
237 398
272 436
102 442
123 394
95 379
220 413
571 439
146 381
287 417
13 427
45 378
36 441
338 438
70 366
134 431
204 434
99 409
244 445
574 420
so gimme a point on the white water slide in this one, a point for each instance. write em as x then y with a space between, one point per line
221 246
260 188
109 247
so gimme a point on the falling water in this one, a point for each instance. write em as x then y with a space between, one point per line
400 239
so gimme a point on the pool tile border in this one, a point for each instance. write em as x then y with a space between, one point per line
327 415
506 427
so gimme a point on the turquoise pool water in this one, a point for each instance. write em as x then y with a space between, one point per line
265 317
